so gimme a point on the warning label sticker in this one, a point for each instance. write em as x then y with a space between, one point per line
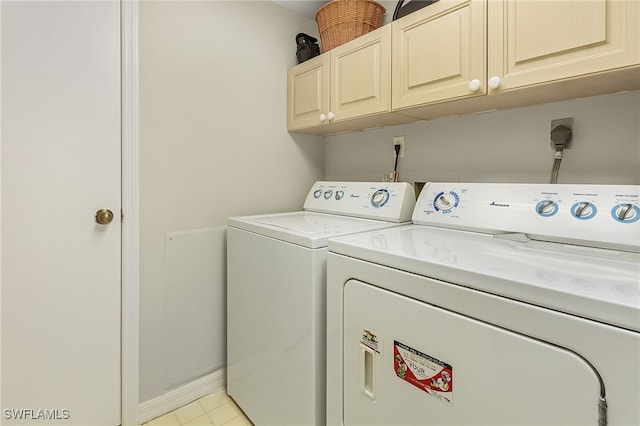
425 372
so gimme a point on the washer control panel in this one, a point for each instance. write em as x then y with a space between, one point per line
593 215
390 201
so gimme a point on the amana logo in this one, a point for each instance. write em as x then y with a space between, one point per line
494 204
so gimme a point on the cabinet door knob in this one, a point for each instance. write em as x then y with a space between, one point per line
474 85
494 82
322 118
330 115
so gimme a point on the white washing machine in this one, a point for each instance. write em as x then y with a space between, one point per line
503 304
276 296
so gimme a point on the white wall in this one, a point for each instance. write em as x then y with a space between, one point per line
503 146
213 144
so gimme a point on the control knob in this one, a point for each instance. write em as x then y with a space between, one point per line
547 208
339 195
446 201
584 210
626 213
379 198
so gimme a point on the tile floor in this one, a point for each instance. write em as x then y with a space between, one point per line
215 409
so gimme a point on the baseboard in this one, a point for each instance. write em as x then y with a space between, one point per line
212 382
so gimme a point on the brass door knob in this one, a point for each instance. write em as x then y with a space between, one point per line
104 216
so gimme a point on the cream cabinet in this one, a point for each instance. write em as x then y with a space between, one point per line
438 52
308 93
347 88
460 56
532 42
518 52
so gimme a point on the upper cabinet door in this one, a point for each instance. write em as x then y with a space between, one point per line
361 75
308 93
439 53
539 41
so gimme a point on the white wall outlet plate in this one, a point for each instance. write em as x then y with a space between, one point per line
398 140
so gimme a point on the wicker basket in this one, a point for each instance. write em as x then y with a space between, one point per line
340 21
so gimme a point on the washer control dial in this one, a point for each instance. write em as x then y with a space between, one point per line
446 201
339 195
379 198
625 213
317 193
327 194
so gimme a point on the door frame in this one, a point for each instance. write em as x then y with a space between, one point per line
130 282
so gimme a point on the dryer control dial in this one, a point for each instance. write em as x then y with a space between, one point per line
547 208
583 210
626 213
379 198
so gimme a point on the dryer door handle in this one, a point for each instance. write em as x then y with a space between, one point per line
367 369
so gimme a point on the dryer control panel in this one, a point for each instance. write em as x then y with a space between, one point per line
591 215
390 201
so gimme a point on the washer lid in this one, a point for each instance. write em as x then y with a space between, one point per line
308 229
599 284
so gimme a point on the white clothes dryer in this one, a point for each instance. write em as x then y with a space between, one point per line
276 296
503 304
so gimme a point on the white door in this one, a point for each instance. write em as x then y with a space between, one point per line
60 164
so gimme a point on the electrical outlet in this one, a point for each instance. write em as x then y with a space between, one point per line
398 140
567 122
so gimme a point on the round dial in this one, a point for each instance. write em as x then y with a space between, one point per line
317 193
583 210
547 208
625 213
339 195
446 201
327 194
379 198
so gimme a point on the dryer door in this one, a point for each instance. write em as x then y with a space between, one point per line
410 363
